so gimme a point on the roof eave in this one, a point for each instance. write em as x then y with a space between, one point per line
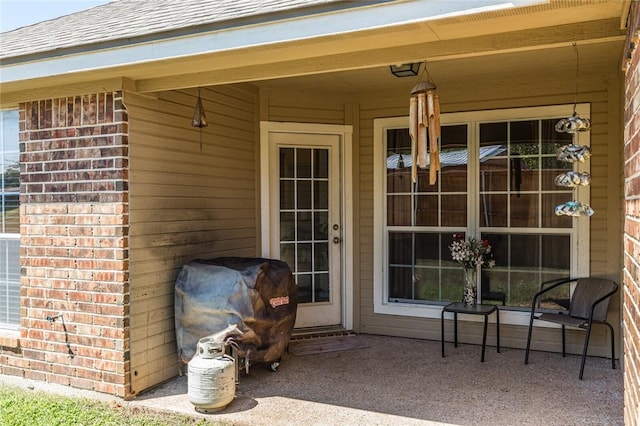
237 35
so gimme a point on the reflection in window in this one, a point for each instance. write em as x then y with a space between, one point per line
523 261
421 204
517 192
304 216
9 220
513 197
419 267
516 179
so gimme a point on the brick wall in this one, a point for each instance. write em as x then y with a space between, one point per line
631 304
74 246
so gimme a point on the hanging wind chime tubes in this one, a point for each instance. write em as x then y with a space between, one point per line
424 116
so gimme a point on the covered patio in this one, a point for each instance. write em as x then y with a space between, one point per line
119 190
404 381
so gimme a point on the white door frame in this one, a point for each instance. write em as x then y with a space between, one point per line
346 194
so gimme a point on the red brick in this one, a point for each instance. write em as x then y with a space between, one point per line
35 375
12 371
81 383
61 380
631 245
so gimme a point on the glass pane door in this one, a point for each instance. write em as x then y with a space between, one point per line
304 219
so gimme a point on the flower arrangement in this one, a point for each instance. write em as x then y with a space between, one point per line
471 253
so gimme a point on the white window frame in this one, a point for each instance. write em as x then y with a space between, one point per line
579 233
6 328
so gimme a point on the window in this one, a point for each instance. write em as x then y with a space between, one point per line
9 221
496 182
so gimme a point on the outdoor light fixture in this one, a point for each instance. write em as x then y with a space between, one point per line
405 70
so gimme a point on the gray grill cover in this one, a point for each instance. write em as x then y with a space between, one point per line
259 295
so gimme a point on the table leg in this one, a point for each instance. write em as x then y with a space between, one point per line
442 331
455 329
484 336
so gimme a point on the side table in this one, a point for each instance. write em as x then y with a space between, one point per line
479 309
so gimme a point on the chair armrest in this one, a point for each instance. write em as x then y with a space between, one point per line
552 284
556 281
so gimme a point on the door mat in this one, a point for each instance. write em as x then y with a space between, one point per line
324 344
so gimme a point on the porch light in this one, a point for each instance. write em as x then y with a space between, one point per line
405 70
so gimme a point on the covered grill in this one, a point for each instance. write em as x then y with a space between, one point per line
258 295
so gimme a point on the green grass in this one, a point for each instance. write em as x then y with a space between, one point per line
20 407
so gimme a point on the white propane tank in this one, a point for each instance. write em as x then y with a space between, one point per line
211 376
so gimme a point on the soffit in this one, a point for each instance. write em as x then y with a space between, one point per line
597 60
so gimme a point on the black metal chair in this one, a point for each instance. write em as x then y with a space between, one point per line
588 305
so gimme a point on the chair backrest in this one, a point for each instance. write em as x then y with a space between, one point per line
587 291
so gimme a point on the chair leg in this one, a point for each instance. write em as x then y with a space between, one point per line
526 354
613 349
584 350
564 352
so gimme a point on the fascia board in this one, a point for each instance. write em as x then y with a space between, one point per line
308 27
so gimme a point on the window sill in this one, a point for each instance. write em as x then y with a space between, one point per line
434 311
9 339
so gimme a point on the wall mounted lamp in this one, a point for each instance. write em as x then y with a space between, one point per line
405 70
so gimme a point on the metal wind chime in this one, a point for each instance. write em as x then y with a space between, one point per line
424 129
199 119
573 153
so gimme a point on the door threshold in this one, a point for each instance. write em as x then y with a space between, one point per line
314 332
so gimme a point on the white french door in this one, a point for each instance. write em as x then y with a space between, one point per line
305 226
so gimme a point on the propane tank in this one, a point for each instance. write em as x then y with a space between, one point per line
211 374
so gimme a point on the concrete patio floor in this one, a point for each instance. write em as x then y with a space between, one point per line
403 381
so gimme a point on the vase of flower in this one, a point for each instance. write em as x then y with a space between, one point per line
470 254
469 296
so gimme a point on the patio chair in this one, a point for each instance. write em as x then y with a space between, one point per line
588 305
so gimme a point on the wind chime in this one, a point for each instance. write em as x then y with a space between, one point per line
424 129
573 153
199 120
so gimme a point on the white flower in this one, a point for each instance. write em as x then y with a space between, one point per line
471 253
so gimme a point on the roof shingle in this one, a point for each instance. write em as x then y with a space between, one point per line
123 20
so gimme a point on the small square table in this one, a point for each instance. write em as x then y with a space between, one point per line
479 309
